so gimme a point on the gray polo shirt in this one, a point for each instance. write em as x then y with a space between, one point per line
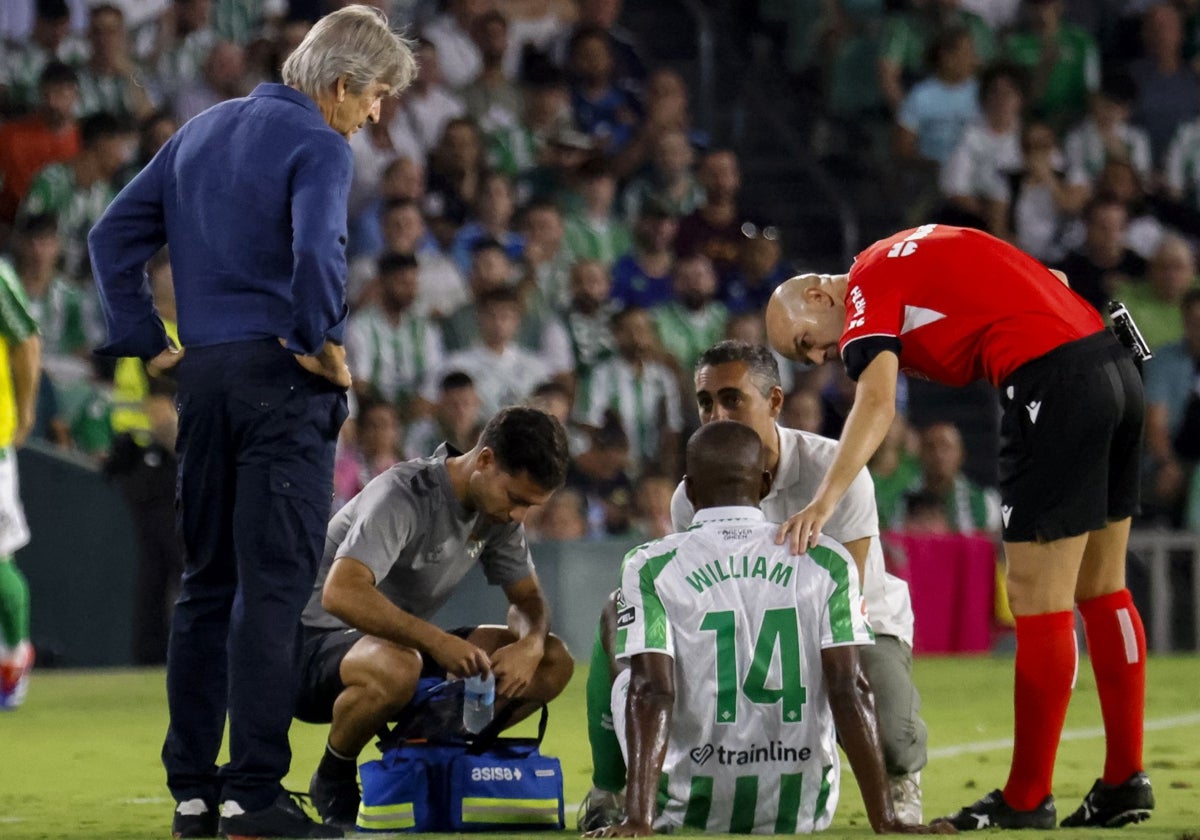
408 527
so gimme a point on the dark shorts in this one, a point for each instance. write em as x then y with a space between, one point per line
321 662
1070 441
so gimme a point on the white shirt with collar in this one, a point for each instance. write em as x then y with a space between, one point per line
803 460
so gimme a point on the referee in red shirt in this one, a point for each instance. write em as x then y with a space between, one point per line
955 305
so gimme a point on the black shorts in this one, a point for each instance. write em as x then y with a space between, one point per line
1070 441
321 658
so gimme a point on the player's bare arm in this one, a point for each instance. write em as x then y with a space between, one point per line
867 424
25 361
648 725
528 620
853 708
350 594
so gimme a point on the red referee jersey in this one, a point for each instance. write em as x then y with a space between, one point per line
957 305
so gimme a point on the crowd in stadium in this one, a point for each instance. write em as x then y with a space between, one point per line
539 220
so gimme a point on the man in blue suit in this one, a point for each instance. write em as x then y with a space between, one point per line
251 198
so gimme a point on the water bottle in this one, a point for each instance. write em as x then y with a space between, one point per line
479 700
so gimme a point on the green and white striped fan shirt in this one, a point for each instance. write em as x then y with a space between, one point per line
646 402
1182 167
394 358
752 747
686 334
77 209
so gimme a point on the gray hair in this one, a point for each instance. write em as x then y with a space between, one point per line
763 367
356 43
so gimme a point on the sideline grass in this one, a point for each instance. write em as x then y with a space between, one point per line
80 759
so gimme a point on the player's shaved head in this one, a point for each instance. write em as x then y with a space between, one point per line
805 316
725 466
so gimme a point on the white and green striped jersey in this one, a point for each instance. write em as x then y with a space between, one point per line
394 358
752 746
646 401
55 191
686 334
21 66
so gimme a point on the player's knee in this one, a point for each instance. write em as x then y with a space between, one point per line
555 669
392 680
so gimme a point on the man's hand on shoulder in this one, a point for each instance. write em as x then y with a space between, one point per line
459 657
623 829
515 664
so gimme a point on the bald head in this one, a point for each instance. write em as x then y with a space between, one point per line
725 466
805 317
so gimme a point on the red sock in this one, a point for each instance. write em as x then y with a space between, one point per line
1117 646
1046 660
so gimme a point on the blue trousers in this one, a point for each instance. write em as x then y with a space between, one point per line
256 448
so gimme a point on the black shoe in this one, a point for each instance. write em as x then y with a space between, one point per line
1111 806
993 812
336 800
283 818
194 818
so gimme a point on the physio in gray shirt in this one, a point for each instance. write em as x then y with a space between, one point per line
393 556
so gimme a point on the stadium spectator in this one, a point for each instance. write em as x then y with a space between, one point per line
456 170
601 472
642 277
969 508
492 221
390 348
548 261
694 319
457 418
803 411
725 479
715 228
504 372
562 519
24 61
652 507
21 350
450 33
222 76
264 382
77 190
393 557
186 38
375 148
908 35
1155 301
595 232
642 392
932 117
153 134
761 267
1181 167
894 467
429 105
1041 198
1145 229
440 288
603 110
1107 133
374 448
629 69
925 514
588 318
973 178
57 306
533 29
670 180
49 135
517 150
110 80
1103 262
748 327
665 106
1062 60
402 179
1170 382
492 100
1168 88
490 269
1068 483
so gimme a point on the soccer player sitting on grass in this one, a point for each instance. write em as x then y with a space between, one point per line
393 556
741 737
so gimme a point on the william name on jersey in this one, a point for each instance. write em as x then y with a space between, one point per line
710 574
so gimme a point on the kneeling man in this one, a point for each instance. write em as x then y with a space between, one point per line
393 555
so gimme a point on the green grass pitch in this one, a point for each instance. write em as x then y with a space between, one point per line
80 759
